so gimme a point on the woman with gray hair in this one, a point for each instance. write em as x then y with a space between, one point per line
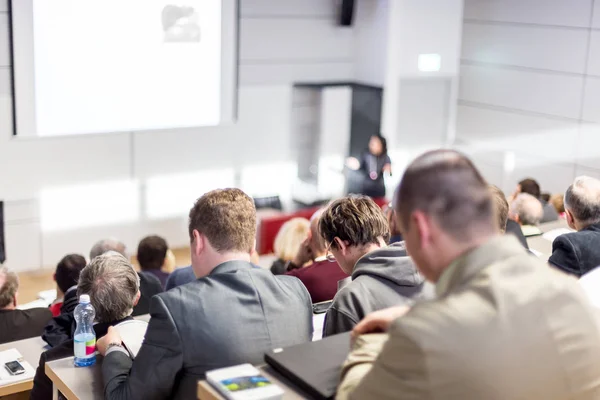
114 289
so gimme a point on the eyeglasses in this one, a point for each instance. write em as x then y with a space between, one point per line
330 257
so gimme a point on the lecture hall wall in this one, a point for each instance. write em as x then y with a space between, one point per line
529 99
64 193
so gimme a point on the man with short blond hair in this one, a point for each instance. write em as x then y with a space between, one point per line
232 314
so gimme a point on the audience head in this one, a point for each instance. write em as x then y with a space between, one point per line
290 238
526 209
105 245
9 285
582 202
390 216
444 208
558 202
112 284
530 186
222 227
68 270
318 246
501 207
152 253
353 226
545 197
377 145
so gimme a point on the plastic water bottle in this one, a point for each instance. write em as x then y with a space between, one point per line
85 336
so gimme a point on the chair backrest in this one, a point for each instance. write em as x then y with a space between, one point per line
273 202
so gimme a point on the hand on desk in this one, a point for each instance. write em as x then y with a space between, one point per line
112 336
379 321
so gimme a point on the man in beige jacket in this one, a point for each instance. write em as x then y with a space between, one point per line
504 325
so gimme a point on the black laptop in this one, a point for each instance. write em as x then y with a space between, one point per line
315 366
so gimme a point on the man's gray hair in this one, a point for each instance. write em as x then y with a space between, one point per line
529 209
8 287
105 245
112 284
582 199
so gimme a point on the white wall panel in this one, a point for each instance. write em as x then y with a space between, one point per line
4 5
5 89
275 74
550 12
294 39
487 130
526 46
593 67
591 106
596 16
23 246
546 93
4 42
20 211
302 8
588 145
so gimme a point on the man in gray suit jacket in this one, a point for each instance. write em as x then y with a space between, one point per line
232 314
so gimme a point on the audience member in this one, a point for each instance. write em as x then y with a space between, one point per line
390 216
152 255
66 276
530 186
288 242
506 225
179 277
17 324
527 211
322 276
62 327
503 325
232 314
113 287
149 284
578 252
382 276
558 202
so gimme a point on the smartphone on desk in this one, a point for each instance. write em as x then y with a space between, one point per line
14 368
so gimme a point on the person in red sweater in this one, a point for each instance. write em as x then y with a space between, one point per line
321 276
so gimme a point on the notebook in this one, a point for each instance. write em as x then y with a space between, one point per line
315 367
132 334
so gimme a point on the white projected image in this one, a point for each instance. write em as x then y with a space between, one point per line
123 65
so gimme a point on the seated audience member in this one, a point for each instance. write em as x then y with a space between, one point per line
149 284
179 277
503 325
113 287
382 276
153 257
66 276
579 252
390 215
530 186
231 315
322 276
61 328
527 211
18 324
288 242
505 224
558 201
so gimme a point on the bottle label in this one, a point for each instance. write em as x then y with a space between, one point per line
85 349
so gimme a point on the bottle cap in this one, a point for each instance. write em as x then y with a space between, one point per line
84 298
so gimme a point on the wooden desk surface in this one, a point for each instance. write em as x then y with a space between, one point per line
30 349
74 383
291 391
543 245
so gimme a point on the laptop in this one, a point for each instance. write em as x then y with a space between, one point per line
315 367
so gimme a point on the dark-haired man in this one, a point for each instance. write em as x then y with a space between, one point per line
66 276
357 231
152 254
578 252
231 315
503 325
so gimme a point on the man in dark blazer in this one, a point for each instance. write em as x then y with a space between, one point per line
579 252
18 324
231 315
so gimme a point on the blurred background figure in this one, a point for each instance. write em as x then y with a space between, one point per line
372 165
66 277
528 212
288 242
155 258
558 202
532 187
